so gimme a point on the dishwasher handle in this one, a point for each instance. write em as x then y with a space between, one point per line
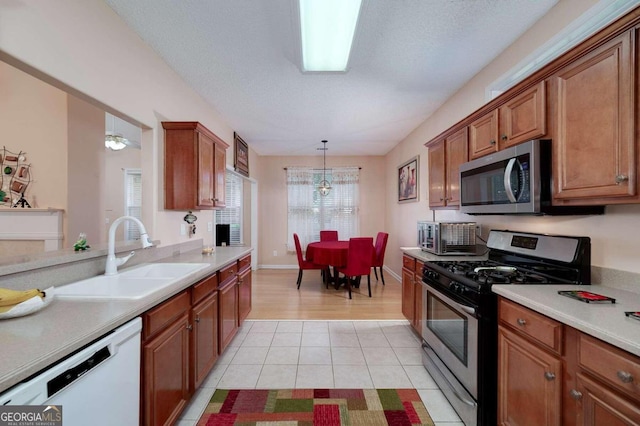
69 376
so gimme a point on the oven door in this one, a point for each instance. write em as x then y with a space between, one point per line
450 330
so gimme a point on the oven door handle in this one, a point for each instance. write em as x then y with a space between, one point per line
468 309
507 180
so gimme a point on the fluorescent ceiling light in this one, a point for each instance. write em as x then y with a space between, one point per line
327 30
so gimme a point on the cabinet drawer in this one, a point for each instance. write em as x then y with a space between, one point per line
228 272
203 288
243 263
618 368
163 315
408 262
540 328
418 269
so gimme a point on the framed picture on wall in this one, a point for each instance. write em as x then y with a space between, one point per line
408 181
241 163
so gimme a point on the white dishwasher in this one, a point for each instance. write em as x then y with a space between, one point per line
98 385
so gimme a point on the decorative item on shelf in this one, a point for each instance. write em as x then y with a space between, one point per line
241 155
325 187
190 218
81 244
14 179
408 181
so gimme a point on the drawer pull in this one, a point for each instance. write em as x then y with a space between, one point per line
522 322
197 318
625 377
575 394
189 327
549 375
621 178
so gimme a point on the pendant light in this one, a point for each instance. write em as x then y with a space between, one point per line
325 187
112 140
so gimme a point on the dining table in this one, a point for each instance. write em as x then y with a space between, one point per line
330 254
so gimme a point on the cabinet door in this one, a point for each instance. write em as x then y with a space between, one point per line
228 312
417 303
205 338
244 295
595 143
529 382
408 306
457 153
437 191
524 117
219 171
206 178
166 374
598 405
483 135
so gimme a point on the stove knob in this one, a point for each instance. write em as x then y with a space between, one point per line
454 286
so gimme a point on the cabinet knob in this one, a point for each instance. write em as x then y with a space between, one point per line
504 137
621 178
492 141
189 327
549 375
575 394
197 318
625 377
441 199
522 322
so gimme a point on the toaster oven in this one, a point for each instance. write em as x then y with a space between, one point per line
442 238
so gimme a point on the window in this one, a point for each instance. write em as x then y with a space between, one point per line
309 212
132 202
232 213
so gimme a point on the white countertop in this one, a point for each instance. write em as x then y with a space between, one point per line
418 253
605 321
31 343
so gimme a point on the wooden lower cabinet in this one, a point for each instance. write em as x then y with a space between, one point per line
244 295
228 316
166 373
551 376
529 382
408 305
205 338
599 405
412 291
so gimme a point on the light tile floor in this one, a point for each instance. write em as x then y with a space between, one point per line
323 354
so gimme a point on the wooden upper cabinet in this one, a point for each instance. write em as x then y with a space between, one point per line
483 135
457 153
194 167
437 192
594 146
524 117
518 120
445 158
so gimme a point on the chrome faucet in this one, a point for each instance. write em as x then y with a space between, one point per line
111 268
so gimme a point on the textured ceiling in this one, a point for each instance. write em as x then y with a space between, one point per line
409 56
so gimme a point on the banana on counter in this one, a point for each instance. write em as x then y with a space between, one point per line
14 303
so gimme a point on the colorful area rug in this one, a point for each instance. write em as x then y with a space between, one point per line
326 407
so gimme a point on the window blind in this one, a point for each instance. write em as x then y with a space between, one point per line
132 202
232 213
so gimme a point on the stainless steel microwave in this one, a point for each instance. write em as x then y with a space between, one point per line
516 180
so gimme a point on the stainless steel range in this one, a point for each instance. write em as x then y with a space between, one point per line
459 318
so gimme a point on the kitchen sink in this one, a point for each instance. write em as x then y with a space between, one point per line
134 283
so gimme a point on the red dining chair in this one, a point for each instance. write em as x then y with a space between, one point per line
303 263
359 261
381 247
328 235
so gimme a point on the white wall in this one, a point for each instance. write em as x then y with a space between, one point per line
614 244
67 44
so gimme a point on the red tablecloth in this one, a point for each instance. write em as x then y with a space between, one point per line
330 253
